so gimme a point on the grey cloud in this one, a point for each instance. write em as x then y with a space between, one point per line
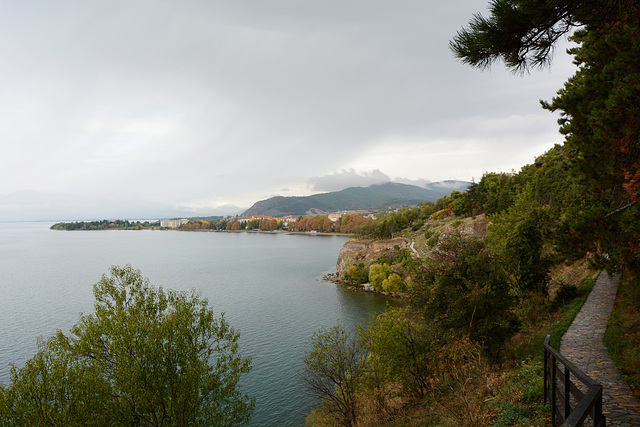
230 100
347 178
417 182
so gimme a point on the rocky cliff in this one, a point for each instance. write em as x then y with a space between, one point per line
356 251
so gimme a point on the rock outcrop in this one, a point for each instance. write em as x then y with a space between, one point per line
356 251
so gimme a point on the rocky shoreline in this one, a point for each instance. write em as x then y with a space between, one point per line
356 251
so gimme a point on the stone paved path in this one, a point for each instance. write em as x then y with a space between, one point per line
582 345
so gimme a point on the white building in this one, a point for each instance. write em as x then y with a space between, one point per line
336 215
173 223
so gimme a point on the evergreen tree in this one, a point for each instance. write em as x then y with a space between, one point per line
523 33
599 107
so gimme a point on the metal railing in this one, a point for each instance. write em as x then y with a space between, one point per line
570 406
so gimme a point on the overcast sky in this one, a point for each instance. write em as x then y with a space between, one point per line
203 103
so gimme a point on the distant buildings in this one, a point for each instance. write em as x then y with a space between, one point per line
336 215
173 223
289 218
286 220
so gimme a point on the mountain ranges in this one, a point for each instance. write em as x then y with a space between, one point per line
374 197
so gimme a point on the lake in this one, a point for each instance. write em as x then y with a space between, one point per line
269 285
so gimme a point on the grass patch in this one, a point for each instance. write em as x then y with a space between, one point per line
528 343
519 402
622 337
520 395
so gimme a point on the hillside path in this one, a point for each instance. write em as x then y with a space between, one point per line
582 344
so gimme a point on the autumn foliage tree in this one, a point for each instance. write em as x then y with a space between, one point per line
313 223
352 224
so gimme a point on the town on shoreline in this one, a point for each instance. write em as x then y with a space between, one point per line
343 222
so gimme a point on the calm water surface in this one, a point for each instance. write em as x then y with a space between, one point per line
269 286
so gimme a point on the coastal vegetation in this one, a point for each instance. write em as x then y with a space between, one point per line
486 274
485 296
346 224
105 224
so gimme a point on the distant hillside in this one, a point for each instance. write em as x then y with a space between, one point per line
378 196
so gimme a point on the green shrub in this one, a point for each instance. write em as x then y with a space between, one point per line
357 273
393 284
464 288
378 273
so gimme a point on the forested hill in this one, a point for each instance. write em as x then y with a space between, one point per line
373 197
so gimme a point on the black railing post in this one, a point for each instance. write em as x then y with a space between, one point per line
598 419
553 390
589 404
546 372
567 392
